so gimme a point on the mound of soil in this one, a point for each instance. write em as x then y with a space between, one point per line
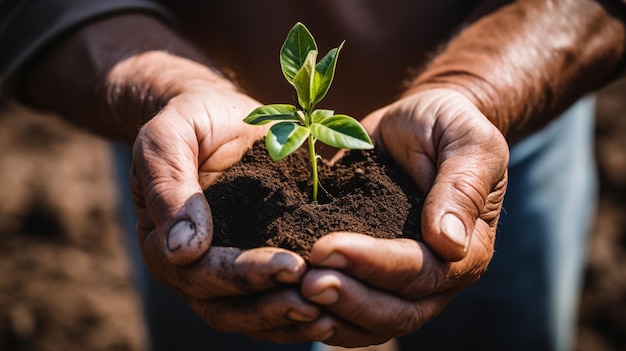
259 202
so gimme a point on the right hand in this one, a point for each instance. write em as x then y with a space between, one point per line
376 289
177 154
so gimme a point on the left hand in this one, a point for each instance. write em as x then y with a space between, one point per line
376 289
177 154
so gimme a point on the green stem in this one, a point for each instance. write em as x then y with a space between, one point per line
313 166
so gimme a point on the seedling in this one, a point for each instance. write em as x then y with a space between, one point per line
297 124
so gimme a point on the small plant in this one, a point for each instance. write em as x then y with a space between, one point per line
295 125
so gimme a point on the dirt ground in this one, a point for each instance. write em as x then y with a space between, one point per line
602 321
65 282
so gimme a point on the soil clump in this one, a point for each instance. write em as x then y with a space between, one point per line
258 202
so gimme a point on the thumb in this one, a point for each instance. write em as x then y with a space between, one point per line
469 187
173 214
449 216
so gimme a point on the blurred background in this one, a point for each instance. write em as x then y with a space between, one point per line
65 279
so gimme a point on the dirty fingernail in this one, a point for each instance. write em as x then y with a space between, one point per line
326 297
454 229
180 234
334 260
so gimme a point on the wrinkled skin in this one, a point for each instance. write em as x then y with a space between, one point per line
354 292
545 55
376 289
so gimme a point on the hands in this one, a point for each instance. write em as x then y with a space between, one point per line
372 289
376 289
456 156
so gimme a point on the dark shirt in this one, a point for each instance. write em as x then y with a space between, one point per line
28 26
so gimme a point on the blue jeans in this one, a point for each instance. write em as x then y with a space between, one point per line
527 299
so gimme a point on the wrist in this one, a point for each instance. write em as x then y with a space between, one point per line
137 88
477 91
524 64
108 88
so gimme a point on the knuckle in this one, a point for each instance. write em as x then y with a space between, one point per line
423 284
413 321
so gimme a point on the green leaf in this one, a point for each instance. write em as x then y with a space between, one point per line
304 81
319 115
294 51
283 138
270 113
342 131
324 73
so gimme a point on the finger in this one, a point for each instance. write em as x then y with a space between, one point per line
226 271
229 271
471 174
167 191
348 335
338 332
276 309
369 308
394 265
366 315
404 267
318 330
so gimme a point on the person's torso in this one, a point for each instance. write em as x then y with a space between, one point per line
386 41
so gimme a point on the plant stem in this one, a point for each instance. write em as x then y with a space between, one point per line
313 166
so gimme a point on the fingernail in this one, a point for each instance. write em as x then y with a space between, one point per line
181 234
287 276
454 229
334 260
298 316
326 297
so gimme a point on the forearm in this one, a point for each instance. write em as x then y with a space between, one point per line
114 74
526 62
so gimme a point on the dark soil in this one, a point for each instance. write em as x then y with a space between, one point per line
259 202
